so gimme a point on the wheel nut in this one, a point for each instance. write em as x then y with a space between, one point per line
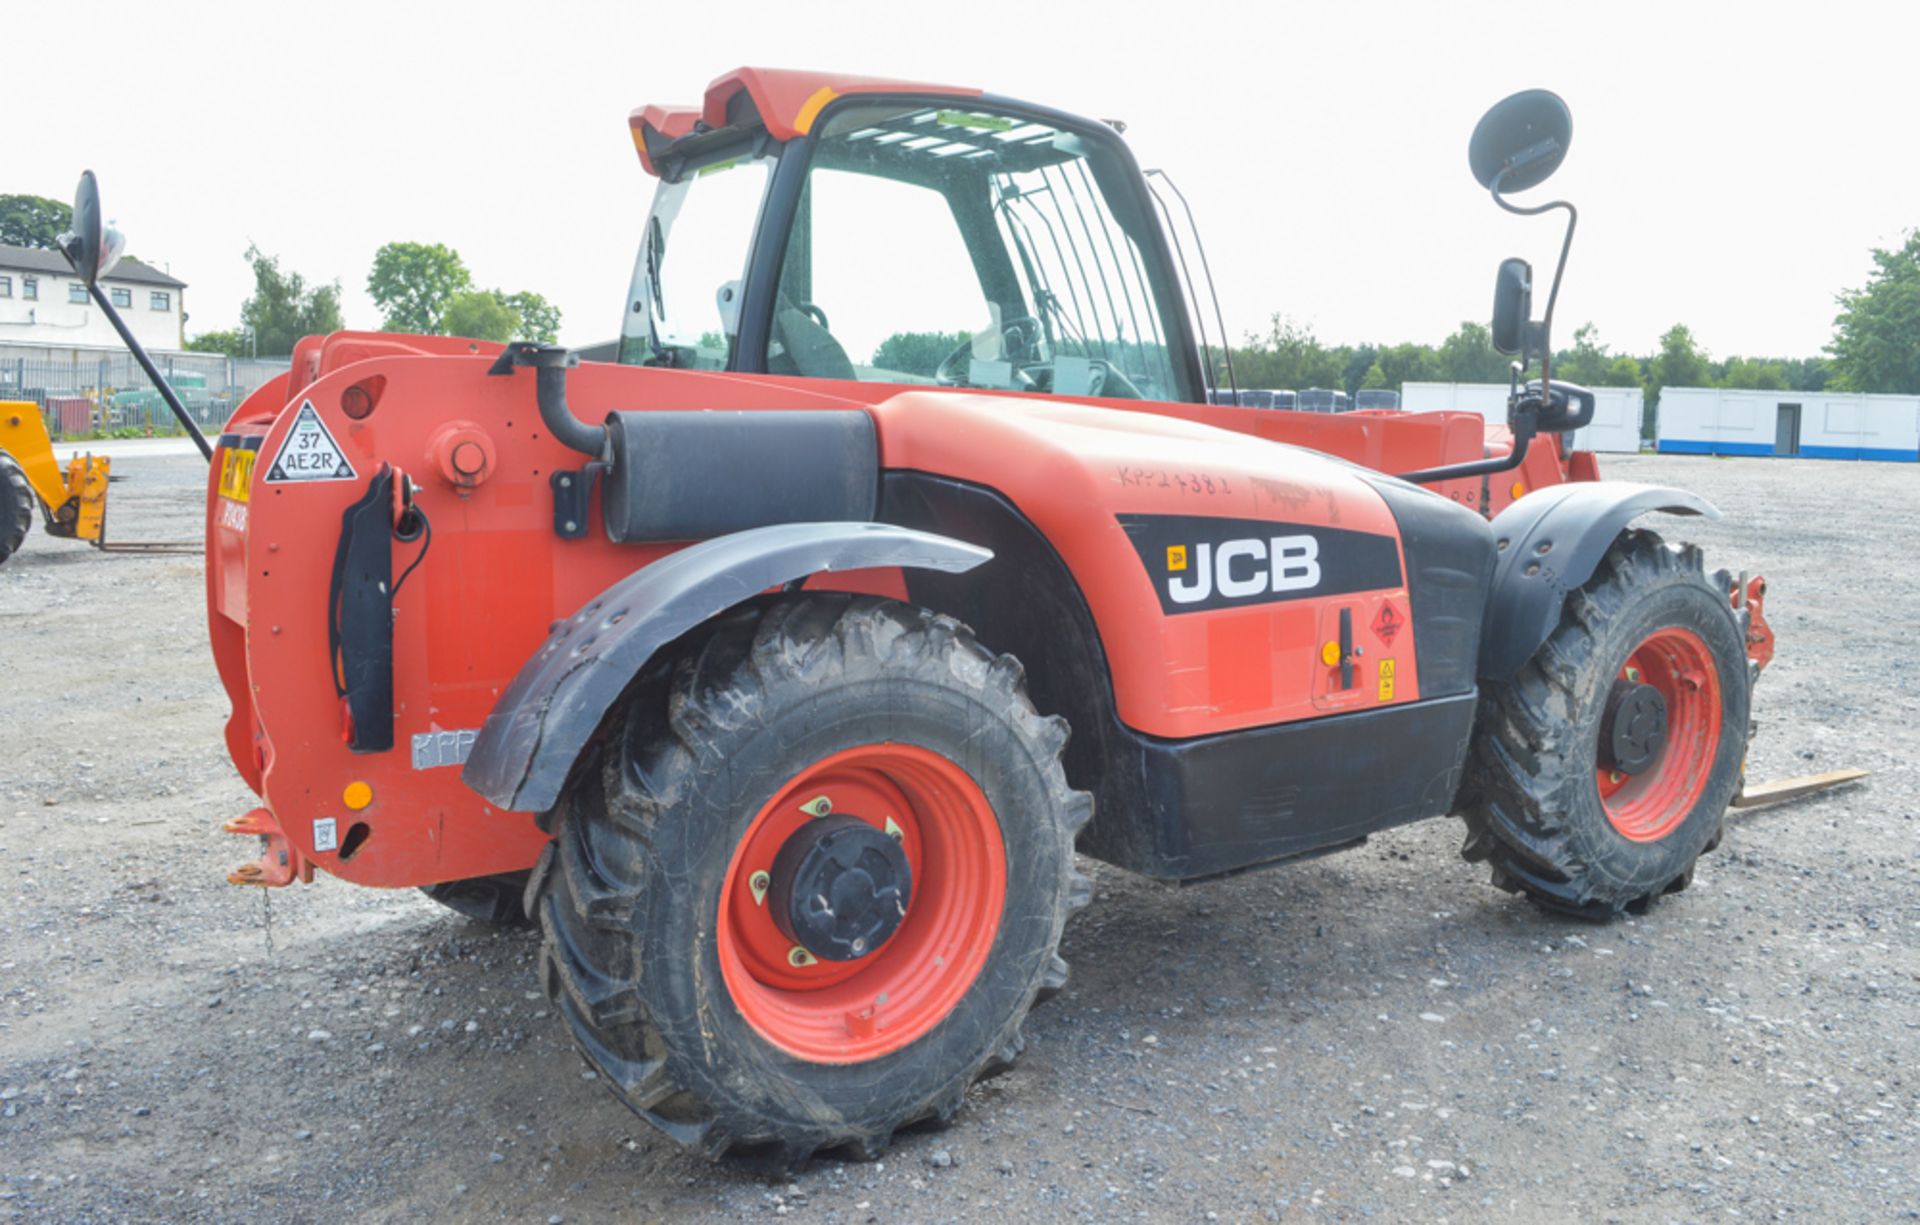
1614 776
818 806
798 957
758 883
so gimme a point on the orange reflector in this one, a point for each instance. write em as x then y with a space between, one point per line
1518 491
1330 654
357 796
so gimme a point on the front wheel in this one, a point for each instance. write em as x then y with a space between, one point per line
16 506
817 880
1604 770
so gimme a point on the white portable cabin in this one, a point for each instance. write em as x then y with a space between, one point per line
1809 424
1616 410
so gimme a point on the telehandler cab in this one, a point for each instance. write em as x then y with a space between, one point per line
783 664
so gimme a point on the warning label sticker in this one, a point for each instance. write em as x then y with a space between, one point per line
308 452
1387 623
326 834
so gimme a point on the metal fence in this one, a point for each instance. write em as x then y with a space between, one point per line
87 391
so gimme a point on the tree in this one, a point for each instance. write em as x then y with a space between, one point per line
1876 337
1374 378
1754 374
1679 363
231 342
1623 372
284 308
1407 363
539 319
1289 356
33 221
412 283
1807 373
481 314
1468 356
918 353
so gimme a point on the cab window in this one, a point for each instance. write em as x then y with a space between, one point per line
970 249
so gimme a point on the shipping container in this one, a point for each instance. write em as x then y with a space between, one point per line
1616 411
1806 424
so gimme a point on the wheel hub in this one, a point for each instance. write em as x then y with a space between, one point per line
839 888
1634 729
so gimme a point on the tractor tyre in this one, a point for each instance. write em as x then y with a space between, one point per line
1604 769
498 900
17 501
814 882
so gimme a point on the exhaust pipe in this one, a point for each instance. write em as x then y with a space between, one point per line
550 365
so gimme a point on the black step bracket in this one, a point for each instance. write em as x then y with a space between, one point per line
573 497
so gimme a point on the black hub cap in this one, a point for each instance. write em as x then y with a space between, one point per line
840 888
1634 729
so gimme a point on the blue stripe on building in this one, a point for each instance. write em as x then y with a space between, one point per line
1698 446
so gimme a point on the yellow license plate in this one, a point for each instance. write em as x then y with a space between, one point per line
236 474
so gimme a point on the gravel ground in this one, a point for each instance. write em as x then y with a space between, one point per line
1377 1034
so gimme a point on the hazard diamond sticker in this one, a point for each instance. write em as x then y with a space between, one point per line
1386 624
309 453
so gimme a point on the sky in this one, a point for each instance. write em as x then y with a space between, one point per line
1733 163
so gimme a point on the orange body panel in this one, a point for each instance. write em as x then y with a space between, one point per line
496 575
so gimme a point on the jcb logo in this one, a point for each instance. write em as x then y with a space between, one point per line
1198 563
1243 569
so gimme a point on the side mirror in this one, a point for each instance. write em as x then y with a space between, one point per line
1512 306
91 247
1520 141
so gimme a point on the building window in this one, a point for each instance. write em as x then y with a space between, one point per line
6 287
76 292
123 297
30 288
160 301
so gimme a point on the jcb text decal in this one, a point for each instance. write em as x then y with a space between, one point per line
1198 562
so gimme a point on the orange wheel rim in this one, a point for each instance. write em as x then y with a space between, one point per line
1647 805
851 1011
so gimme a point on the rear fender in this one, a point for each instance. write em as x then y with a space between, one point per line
1550 542
529 743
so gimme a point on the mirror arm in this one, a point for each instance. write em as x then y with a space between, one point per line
1523 423
153 372
1559 269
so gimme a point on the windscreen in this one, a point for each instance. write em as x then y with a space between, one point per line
683 305
971 248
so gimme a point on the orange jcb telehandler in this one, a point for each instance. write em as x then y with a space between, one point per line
782 664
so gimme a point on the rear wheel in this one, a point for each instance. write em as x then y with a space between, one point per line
816 881
485 899
16 506
1604 770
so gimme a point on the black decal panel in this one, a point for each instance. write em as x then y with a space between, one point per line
1198 562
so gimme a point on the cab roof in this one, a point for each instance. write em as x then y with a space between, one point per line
783 101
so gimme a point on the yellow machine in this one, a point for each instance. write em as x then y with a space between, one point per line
74 502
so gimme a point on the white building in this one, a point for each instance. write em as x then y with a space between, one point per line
1812 424
43 303
1616 410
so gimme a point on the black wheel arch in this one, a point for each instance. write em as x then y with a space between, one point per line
536 733
1549 544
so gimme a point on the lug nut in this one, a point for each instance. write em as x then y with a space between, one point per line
818 806
759 883
798 957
